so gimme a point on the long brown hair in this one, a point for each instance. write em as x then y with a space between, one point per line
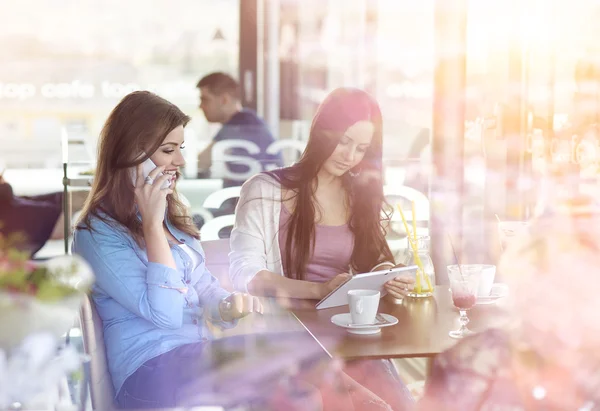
134 130
364 184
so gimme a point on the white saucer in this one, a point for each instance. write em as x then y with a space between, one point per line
499 290
344 320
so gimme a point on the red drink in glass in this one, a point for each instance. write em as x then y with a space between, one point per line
464 283
463 300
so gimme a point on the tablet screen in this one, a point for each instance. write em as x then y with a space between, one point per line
366 281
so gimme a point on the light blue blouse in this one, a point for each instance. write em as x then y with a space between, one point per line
147 308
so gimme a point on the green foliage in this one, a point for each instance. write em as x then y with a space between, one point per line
20 275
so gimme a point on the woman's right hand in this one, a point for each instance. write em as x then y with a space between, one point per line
150 198
335 282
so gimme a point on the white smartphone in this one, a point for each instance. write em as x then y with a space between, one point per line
147 167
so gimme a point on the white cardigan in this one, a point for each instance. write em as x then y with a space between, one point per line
254 239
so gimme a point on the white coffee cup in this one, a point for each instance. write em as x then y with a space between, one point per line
486 281
363 306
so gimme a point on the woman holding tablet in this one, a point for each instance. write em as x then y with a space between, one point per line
299 231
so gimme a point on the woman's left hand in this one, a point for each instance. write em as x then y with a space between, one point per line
239 305
400 286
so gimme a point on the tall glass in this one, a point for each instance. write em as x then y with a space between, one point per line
464 282
425 278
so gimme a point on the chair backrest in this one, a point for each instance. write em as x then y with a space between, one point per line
210 230
101 386
217 198
410 194
217 260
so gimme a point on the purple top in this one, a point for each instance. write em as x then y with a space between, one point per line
332 251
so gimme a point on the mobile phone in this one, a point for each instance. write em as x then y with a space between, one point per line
147 167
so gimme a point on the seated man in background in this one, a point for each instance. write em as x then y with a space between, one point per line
38 218
220 97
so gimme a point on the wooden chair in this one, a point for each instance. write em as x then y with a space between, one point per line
102 392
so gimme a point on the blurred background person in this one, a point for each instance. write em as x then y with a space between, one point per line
36 218
220 102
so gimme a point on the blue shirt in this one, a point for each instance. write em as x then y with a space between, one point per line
147 308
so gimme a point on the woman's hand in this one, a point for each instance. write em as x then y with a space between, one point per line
334 283
150 198
239 305
400 286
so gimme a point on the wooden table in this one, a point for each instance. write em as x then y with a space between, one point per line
422 329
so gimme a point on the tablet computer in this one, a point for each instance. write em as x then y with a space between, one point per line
367 281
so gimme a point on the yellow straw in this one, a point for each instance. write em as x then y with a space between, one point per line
415 241
414 247
414 224
414 220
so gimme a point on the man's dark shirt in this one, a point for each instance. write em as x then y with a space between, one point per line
246 125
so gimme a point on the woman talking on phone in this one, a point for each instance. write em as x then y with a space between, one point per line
300 231
153 291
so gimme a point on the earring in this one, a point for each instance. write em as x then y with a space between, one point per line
354 175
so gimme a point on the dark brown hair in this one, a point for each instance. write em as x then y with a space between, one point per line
219 83
134 130
368 209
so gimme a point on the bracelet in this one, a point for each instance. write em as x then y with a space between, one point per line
383 264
